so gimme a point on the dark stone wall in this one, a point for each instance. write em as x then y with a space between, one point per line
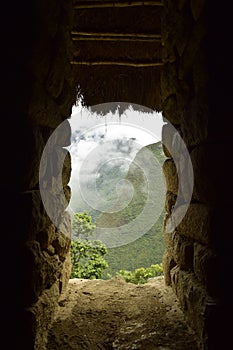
37 95
196 92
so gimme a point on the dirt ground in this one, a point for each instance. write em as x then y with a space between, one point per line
113 314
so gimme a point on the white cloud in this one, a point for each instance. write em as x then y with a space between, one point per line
97 140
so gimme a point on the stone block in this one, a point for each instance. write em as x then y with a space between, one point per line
194 115
66 38
66 170
65 274
167 134
44 311
46 237
208 268
168 48
30 153
183 93
55 203
42 271
184 27
185 177
55 174
65 226
63 134
196 224
55 166
56 75
32 214
41 57
61 244
180 249
43 110
169 80
192 49
192 297
172 140
170 175
168 40
165 151
168 264
60 67
170 110
212 175
170 201
67 193
67 97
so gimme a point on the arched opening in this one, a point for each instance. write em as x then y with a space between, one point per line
109 182
179 62
117 149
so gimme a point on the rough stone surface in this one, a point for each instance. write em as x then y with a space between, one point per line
46 237
38 93
196 223
46 96
169 81
63 134
192 48
168 264
170 110
43 110
207 264
33 214
170 139
194 115
170 174
170 201
114 314
45 269
44 312
192 297
180 249
210 161
61 243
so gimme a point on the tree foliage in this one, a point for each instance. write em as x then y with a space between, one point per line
141 275
82 225
87 256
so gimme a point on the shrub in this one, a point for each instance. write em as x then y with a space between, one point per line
87 256
141 275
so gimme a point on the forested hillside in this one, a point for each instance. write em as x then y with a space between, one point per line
146 248
149 248
143 252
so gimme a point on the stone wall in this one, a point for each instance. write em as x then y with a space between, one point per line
197 261
38 96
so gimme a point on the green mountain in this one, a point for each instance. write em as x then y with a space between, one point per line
148 249
143 247
143 252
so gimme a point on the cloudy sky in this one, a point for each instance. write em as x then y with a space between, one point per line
99 140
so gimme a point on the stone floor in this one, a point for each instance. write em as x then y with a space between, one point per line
114 314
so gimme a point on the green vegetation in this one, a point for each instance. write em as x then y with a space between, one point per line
91 259
141 275
87 257
149 248
145 251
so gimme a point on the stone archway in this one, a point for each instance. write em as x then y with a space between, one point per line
194 93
